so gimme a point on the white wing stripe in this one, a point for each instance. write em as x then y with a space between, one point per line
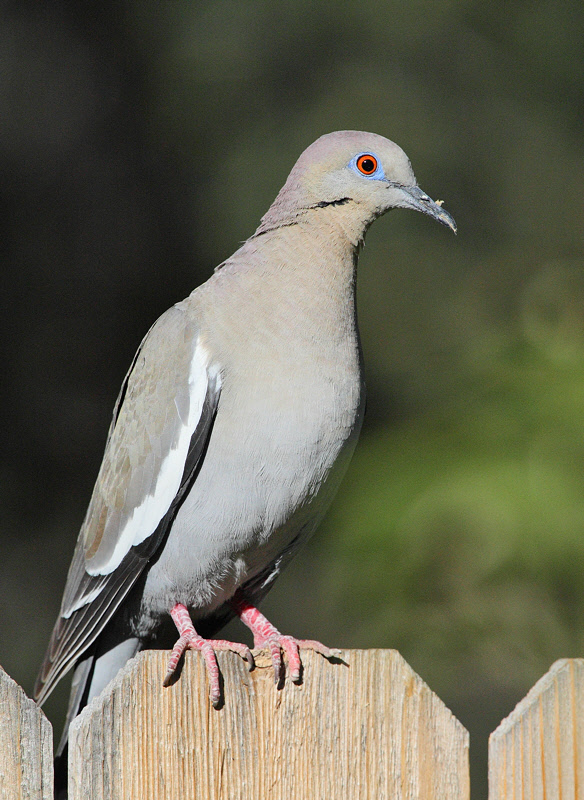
146 517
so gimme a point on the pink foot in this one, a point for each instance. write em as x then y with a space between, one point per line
266 635
190 640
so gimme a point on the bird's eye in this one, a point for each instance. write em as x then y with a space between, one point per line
367 164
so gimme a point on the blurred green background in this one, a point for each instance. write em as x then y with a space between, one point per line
141 142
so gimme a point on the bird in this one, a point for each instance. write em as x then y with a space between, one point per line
231 433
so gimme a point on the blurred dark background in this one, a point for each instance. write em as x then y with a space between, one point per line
140 142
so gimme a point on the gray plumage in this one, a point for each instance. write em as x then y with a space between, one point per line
235 423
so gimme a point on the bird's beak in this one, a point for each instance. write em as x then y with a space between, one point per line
413 197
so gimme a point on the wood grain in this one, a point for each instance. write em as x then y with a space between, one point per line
26 746
537 752
367 728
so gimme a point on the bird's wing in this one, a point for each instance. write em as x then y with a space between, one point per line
162 422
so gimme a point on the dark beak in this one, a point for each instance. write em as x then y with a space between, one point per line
415 198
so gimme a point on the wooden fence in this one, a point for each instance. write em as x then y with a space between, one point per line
366 728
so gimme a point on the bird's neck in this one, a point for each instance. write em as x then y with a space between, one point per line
310 264
343 220
301 275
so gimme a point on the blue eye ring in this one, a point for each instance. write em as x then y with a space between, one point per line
368 166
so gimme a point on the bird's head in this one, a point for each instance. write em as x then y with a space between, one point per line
362 174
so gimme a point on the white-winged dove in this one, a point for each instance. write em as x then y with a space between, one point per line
232 431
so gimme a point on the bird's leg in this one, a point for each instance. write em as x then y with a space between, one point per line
189 639
266 635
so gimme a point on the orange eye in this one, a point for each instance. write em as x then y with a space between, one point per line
367 164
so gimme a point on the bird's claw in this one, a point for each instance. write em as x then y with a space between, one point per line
278 643
190 640
208 648
268 636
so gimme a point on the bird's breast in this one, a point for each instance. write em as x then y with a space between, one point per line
286 424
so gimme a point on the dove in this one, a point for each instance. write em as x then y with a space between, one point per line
231 433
